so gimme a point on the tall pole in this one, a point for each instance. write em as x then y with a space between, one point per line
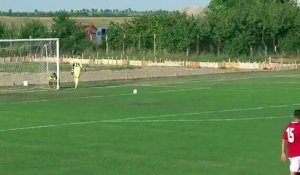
198 44
139 47
124 36
106 39
154 45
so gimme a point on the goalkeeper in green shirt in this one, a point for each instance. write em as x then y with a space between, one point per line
53 81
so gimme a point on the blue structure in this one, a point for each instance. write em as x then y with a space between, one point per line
101 33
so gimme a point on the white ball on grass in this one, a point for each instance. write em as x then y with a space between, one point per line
134 91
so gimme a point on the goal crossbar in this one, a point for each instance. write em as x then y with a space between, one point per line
31 39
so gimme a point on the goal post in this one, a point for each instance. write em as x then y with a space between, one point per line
29 63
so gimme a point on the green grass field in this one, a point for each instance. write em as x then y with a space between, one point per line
200 125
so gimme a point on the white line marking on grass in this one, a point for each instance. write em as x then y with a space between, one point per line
137 119
286 75
154 92
34 101
197 113
140 121
246 78
198 120
25 90
130 85
208 112
178 90
283 82
102 96
117 86
224 79
281 106
107 87
54 125
158 85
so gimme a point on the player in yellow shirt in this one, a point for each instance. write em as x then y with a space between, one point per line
77 66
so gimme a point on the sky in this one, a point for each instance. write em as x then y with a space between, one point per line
56 5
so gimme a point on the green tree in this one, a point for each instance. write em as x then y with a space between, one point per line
290 44
72 37
138 31
34 29
115 36
255 24
177 32
8 32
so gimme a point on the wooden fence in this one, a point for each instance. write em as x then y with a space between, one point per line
266 65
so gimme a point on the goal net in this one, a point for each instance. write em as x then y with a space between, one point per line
29 63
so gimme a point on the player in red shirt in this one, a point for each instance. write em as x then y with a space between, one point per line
291 144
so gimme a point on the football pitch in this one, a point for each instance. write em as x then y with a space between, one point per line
227 124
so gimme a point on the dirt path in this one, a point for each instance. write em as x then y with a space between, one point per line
144 72
9 79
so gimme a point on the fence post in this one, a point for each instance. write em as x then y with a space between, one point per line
106 39
154 46
124 36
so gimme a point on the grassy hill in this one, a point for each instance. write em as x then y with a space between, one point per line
194 11
97 21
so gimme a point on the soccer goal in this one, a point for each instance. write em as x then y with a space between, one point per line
29 63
